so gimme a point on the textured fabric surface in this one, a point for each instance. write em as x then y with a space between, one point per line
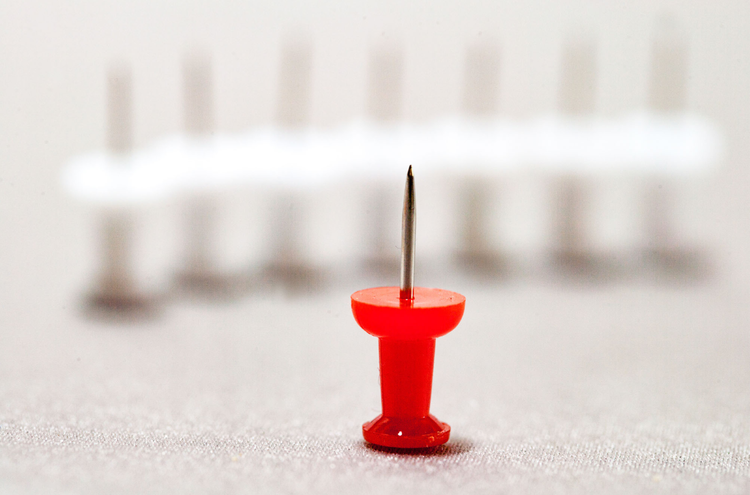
547 390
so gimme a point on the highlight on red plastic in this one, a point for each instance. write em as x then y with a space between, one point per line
407 331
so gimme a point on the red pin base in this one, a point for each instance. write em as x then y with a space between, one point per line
407 331
406 433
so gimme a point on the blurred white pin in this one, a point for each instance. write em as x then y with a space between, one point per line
201 275
117 291
665 252
295 84
385 108
572 199
289 264
480 101
668 72
481 81
386 84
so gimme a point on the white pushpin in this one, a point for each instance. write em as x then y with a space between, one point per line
200 275
117 291
571 200
385 109
667 96
288 264
480 104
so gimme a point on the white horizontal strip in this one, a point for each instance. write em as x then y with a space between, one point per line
639 143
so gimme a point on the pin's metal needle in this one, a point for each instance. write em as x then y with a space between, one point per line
408 239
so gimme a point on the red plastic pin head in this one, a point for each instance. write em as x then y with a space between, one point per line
407 320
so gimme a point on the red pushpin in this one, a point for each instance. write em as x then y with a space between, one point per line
407 320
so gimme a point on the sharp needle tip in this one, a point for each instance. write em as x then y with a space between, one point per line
408 235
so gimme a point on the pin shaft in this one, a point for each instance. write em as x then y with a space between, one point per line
408 239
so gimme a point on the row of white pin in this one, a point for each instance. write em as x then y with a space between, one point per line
665 143
661 139
642 144
522 226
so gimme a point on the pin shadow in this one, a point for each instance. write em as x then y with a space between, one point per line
456 447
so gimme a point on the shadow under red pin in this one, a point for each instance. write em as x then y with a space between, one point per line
407 320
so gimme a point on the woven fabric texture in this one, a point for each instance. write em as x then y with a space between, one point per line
547 390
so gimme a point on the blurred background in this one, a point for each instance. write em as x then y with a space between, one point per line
120 77
637 253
